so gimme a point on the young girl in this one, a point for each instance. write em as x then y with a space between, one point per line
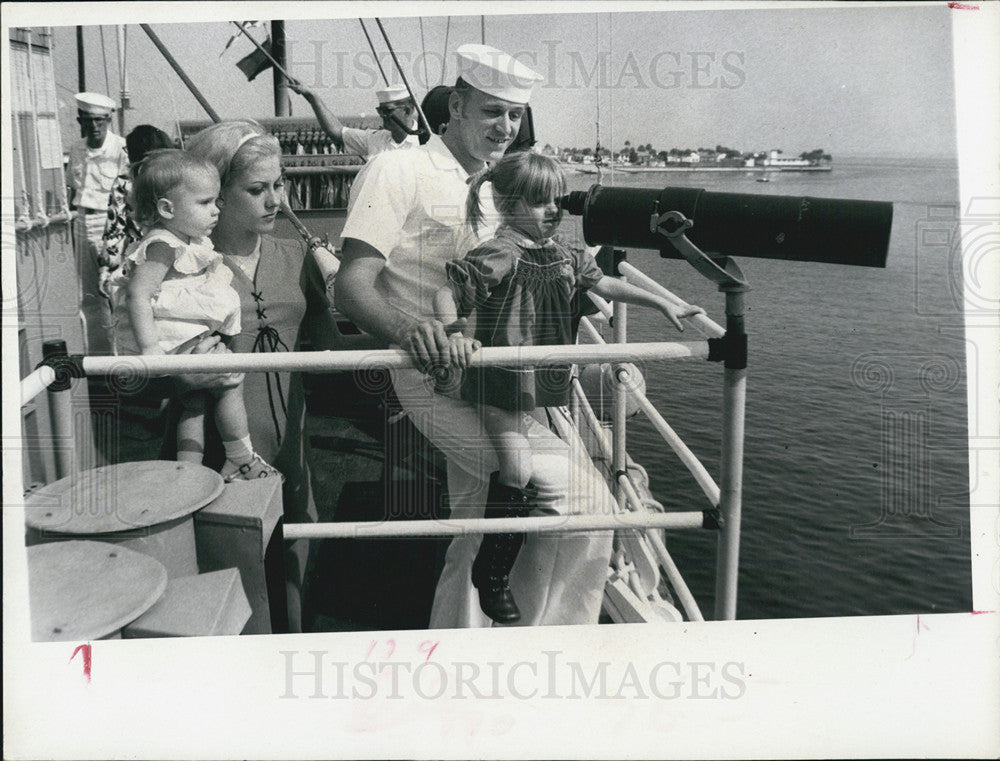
174 289
521 284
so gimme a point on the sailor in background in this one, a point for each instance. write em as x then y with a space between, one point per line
399 117
94 163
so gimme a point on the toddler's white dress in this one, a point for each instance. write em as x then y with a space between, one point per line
194 299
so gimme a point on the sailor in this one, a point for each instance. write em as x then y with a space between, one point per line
406 220
399 119
94 163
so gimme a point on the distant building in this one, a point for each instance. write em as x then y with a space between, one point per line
774 158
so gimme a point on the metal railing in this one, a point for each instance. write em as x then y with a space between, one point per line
56 379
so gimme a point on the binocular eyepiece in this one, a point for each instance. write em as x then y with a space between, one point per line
797 228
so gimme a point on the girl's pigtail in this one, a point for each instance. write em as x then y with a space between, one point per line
473 206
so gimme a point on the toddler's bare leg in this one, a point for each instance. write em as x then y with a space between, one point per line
242 463
191 427
512 447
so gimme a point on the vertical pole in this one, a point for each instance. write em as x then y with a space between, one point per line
282 103
619 458
60 413
81 68
731 476
122 77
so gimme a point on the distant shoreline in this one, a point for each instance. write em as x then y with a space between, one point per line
593 169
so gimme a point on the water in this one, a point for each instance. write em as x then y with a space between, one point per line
855 497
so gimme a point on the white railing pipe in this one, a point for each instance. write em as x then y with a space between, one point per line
360 359
35 383
547 524
702 323
686 456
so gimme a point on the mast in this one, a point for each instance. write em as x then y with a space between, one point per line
81 69
282 103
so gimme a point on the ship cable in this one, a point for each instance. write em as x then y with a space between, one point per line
425 126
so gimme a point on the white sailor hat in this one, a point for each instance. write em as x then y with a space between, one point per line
392 94
94 104
495 73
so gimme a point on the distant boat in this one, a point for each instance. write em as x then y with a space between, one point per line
765 178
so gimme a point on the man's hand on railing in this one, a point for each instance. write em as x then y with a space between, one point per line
193 381
427 344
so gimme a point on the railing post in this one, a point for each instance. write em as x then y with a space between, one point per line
619 458
61 412
731 470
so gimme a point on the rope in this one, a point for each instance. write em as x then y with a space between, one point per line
24 215
374 54
423 52
444 57
597 93
268 340
40 214
611 98
104 54
402 74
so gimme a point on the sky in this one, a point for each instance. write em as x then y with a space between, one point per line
851 80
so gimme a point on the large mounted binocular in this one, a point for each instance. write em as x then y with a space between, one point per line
797 228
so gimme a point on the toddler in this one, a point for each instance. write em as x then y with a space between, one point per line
173 290
521 284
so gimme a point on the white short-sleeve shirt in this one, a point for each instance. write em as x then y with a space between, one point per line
410 207
367 143
92 171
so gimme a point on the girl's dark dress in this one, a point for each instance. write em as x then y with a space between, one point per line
522 293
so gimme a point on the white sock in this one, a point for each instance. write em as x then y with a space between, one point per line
239 451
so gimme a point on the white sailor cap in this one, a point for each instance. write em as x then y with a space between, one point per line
495 73
392 94
94 104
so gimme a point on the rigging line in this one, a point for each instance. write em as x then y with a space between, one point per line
24 215
402 74
104 53
374 54
118 57
444 56
39 197
423 51
597 92
611 97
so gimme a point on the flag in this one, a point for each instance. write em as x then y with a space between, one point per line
246 25
253 64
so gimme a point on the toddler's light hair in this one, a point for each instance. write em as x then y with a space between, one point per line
159 173
522 175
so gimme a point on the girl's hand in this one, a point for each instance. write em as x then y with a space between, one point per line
676 314
461 349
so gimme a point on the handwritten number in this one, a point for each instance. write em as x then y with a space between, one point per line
85 657
427 646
